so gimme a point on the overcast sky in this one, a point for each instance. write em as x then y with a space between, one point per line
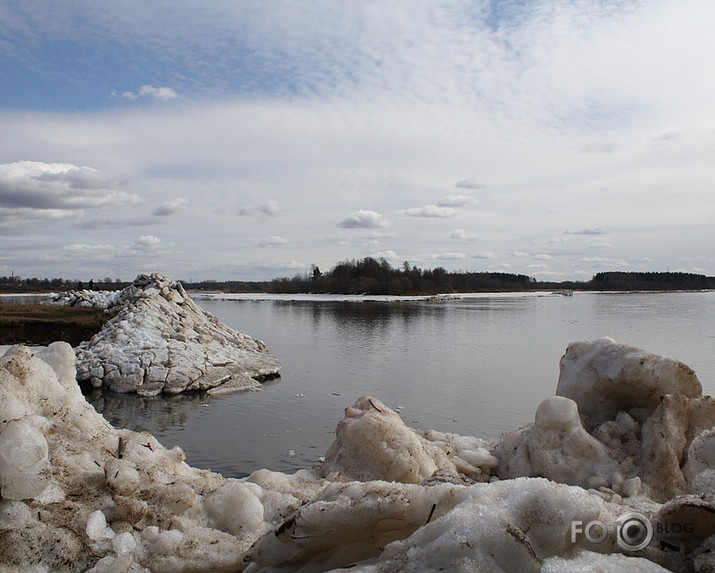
250 139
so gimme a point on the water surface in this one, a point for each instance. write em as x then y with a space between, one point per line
476 365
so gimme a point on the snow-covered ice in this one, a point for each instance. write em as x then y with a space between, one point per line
549 497
161 341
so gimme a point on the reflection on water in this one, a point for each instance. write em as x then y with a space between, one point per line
145 414
22 298
476 366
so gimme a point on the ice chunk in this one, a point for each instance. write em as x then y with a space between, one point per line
605 377
557 413
121 476
124 544
60 356
556 447
590 562
372 442
97 528
199 549
504 527
161 341
15 512
666 437
704 483
701 453
479 458
236 507
23 461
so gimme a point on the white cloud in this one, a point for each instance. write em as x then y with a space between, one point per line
160 93
147 242
542 257
37 185
519 254
447 256
272 241
431 211
604 262
171 207
389 255
444 208
363 219
485 255
32 192
462 235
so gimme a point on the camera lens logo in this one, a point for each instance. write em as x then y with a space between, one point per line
633 531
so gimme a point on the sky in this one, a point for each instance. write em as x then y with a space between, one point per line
252 139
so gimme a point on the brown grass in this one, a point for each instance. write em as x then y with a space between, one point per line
41 324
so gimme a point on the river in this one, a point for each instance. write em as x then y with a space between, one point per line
477 365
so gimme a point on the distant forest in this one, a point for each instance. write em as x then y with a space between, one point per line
377 276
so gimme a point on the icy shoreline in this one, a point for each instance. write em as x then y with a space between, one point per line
627 432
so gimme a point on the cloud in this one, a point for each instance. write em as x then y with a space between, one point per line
444 208
18 220
389 255
603 262
160 93
484 255
363 219
600 245
147 242
36 185
462 235
470 184
268 209
272 241
171 207
519 254
542 257
431 211
456 201
315 105
596 231
447 256
90 252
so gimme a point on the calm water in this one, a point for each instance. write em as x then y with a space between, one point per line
478 365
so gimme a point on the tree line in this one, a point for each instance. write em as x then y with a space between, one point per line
16 284
376 276
650 281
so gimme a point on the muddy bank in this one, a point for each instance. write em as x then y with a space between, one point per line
41 324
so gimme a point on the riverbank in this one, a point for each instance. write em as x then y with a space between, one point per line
37 324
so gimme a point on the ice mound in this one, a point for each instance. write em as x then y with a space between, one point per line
604 378
633 493
85 298
77 494
161 341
